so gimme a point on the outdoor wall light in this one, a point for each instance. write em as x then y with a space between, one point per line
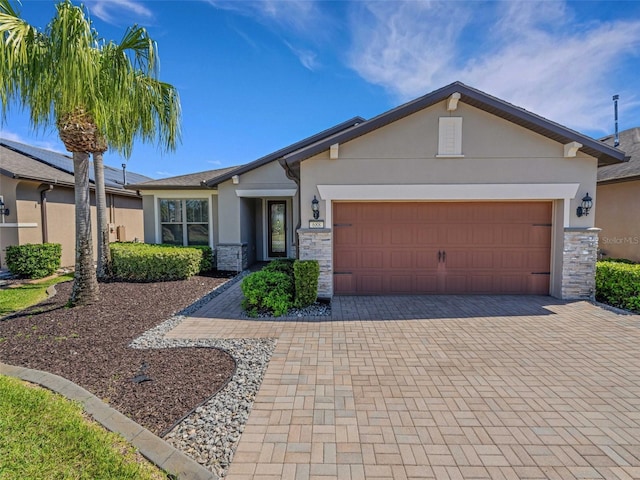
587 203
315 208
3 211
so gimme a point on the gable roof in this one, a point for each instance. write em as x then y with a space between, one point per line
605 154
18 160
213 178
341 127
190 181
630 145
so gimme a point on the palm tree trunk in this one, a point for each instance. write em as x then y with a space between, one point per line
104 253
85 286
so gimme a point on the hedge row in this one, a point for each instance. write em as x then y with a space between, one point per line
618 284
34 260
281 285
140 262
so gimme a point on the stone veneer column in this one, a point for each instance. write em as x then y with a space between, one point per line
315 244
580 252
232 257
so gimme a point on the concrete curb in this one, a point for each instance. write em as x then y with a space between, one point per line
150 446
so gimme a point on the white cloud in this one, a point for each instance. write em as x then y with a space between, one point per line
296 15
53 145
307 58
533 54
214 162
295 21
111 11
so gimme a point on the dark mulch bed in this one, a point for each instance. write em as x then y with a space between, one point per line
88 345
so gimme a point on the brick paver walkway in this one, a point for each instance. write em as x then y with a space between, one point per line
453 388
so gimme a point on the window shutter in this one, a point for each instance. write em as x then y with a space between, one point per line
450 136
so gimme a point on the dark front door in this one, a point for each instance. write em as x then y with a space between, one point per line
277 228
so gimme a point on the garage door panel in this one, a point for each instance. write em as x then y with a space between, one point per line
426 260
401 284
347 260
371 259
538 259
481 283
345 236
344 283
514 260
455 283
371 235
403 234
514 235
426 283
483 259
456 259
483 235
485 247
401 260
370 284
458 235
427 235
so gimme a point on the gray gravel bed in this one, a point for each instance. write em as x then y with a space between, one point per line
210 434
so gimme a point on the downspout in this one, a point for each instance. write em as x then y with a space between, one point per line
292 176
43 211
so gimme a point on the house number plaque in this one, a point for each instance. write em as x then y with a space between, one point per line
316 223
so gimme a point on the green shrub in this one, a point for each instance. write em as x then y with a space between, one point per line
34 260
206 264
284 265
618 284
267 292
306 273
140 262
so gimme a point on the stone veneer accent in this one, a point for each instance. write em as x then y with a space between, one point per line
232 257
315 244
579 255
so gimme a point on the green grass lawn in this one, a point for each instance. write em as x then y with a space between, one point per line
45 436
19 298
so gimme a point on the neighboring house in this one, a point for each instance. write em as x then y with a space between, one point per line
454 192
618 206
37 187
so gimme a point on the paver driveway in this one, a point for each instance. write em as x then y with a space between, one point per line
461 387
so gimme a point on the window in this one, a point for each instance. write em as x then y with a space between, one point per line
184 222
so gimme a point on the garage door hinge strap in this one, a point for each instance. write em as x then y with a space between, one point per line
342 225
540 273
343 273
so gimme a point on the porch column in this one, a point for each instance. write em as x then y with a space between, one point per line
315 244
580 252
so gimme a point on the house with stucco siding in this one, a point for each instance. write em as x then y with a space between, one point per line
456 192
37 193
617 211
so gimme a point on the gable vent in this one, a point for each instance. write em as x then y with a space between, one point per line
450 136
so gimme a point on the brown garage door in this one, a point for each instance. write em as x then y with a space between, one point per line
414 248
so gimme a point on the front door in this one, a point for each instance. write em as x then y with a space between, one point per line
277 231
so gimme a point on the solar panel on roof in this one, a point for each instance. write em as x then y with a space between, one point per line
112 176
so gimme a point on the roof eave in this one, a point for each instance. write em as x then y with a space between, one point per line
605 154
286 150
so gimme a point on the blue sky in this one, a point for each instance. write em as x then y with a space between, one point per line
256 76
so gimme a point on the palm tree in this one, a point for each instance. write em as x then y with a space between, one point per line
97 93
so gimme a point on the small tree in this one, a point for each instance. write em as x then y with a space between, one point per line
98 94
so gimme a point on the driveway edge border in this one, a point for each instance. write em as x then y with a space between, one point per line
152 447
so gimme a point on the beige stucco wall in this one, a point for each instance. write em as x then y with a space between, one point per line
25 200
243 218
495 152
618 215
8 235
